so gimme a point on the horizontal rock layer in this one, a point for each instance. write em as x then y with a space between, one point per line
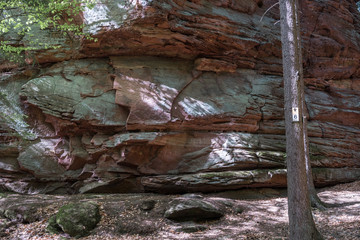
180 96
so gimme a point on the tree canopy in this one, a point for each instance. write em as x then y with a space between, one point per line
19 18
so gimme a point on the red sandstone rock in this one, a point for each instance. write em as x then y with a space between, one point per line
213 65
175 89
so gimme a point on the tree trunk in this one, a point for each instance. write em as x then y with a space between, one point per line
314 199
301 223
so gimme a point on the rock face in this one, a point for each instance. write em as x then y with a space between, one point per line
180 96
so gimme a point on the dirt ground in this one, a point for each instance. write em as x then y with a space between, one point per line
254 214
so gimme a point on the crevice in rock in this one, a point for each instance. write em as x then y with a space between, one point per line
175 99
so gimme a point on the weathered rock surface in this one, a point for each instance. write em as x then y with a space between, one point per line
180 96
193 209
75 219
22 212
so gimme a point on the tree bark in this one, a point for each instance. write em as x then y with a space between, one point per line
301 223
315 201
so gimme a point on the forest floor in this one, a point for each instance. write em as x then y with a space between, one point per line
264 216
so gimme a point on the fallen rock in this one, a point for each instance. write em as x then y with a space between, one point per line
194 209
21 212
75 219
136 226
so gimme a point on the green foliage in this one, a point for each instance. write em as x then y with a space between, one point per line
18 22
20 17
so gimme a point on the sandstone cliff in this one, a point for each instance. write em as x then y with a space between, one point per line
181 96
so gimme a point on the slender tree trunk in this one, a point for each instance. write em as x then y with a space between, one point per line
301 223
314 199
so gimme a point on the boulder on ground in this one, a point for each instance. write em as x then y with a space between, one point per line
75 219
24 212
193 209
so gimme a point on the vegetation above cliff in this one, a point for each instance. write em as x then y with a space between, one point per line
18 19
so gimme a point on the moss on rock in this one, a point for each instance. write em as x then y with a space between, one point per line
75 219
52 226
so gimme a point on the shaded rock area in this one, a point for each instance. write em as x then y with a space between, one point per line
258 213
22 212
179 96
141 214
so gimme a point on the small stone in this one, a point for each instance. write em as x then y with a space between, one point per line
147 205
